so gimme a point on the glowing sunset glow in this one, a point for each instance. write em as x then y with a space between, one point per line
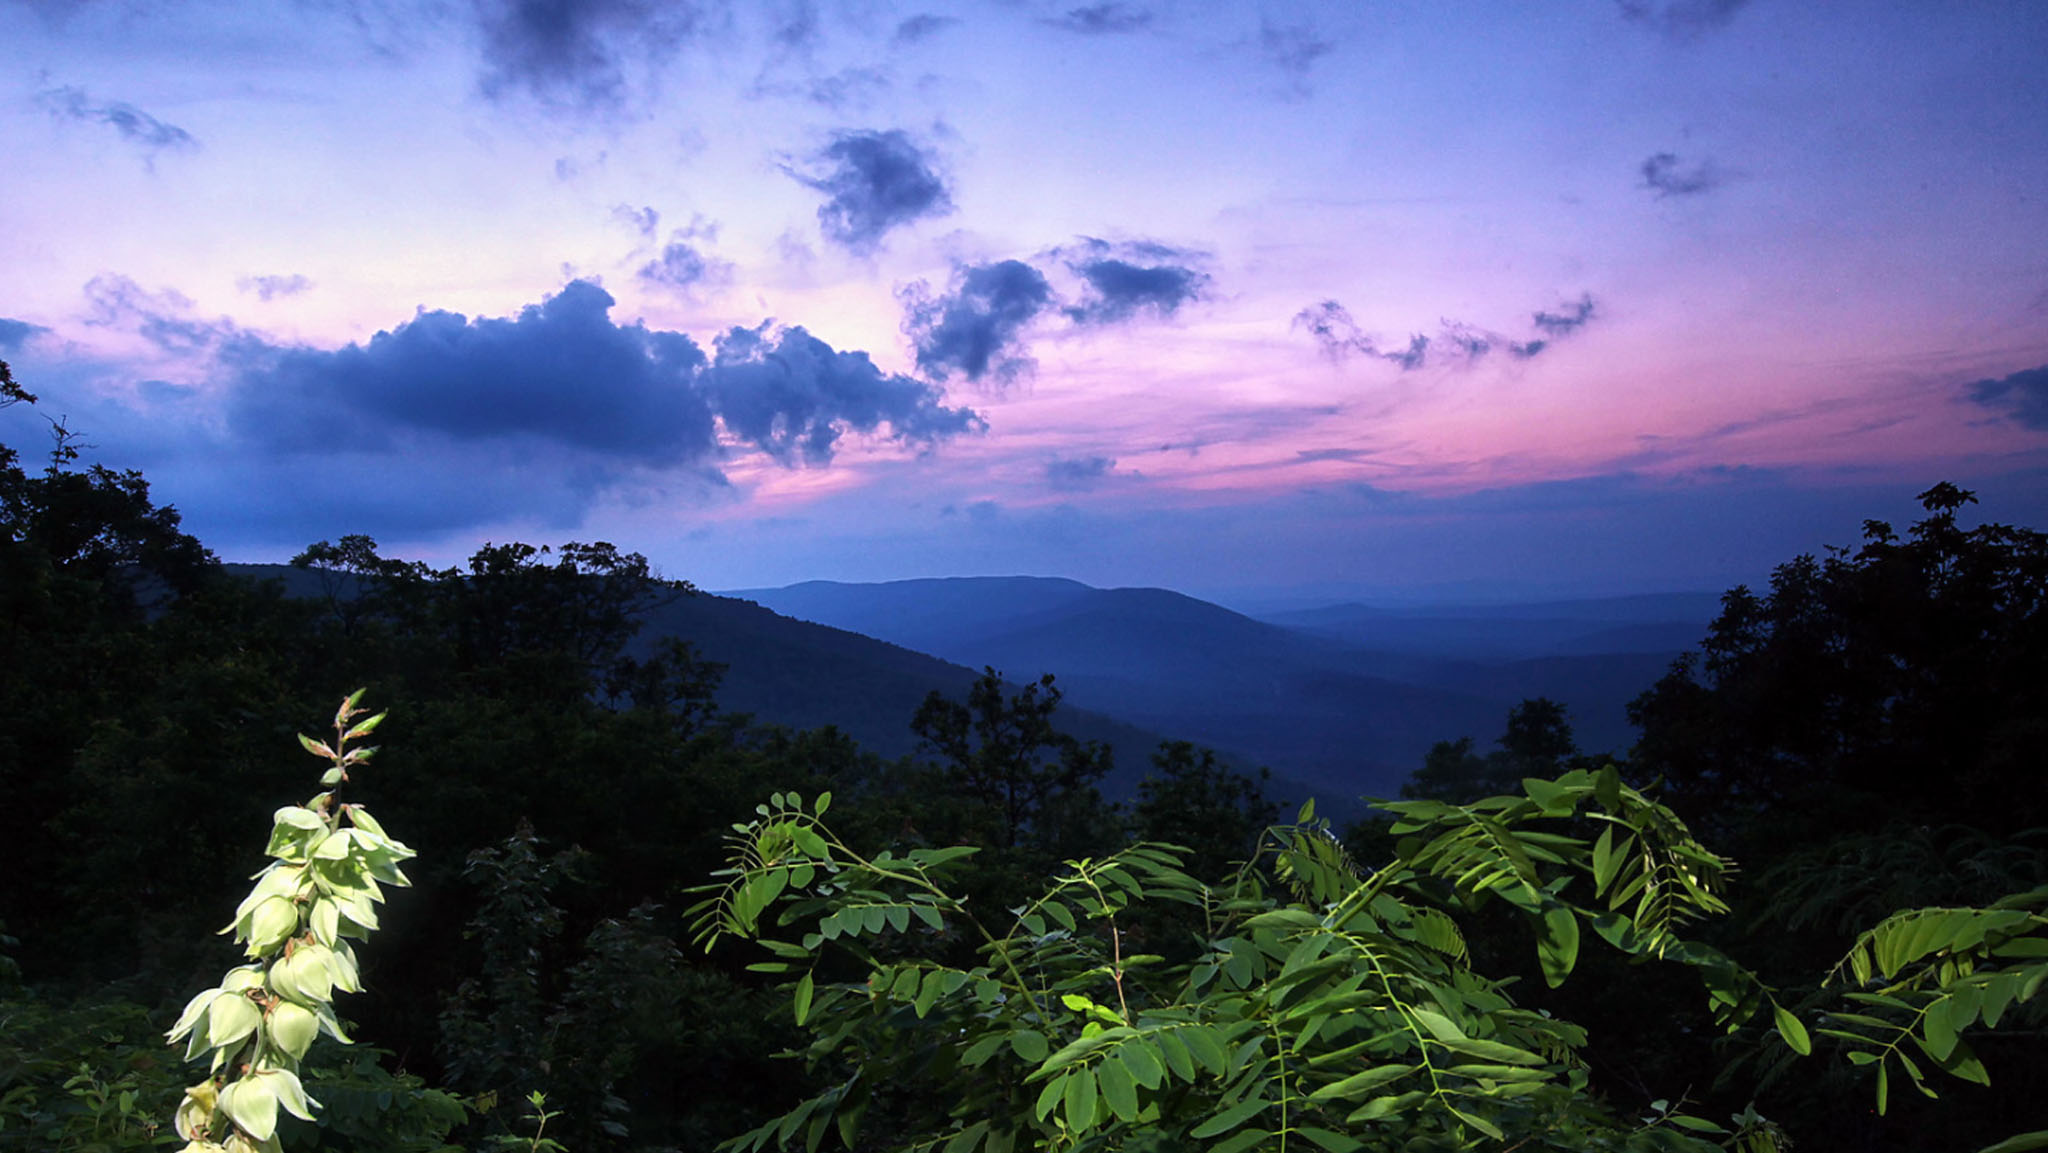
1379 298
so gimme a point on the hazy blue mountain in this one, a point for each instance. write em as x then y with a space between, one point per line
804 675
1652 623
1348 697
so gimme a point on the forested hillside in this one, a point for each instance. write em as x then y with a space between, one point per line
1637 953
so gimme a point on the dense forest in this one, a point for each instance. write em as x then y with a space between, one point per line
1806 911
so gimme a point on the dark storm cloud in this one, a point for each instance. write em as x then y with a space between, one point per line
1122 280
873 182
563 376
15 333
2023 396
269 288
1682 19
133 124
1106 19
573 54
1666 175
922 26
1331 325
791 395
976 328
1075 474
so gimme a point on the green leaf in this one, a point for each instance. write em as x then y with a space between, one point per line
1029 1045
1439 1026
1177 1056
1080 1100
1143 1060
1334 1142
966 1139
1049 1096
1557 944
802 998
1939 1030
1790 1028
1554 800
1384 1106
1238 1142
1360 1083
1119 1091
2019 1143
1229 1119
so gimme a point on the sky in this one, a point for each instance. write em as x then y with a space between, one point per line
1377 299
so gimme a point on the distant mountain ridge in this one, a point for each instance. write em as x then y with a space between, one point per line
1347 697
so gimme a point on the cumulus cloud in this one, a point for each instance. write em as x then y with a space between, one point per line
681 265
2023 396
1109 18
873 182
573 54
1682 19
792 395
1123 280
1666 175
921 27
269 288
562 376
1076 474
976 327
15 333
132 123
1339 336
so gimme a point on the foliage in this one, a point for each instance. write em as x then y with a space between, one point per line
1860 677
1003 751
1328 1005
87 1077
1922 977
1537 742
319 892
1190 799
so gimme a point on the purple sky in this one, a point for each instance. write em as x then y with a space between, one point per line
1370 298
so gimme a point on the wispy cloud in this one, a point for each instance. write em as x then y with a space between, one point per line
1339 336
133 124
922 27
269 288
1078 474
1666 175
1682 19
1110 18
1294 50
2022 397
